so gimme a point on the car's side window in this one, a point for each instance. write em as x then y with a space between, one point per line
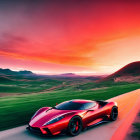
89 105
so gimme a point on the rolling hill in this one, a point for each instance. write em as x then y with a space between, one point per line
27 82
128 73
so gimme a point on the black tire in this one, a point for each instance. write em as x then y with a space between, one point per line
75 126
114 113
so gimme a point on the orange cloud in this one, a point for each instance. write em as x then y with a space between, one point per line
97 35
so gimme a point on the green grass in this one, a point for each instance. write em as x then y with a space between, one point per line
92 85
25 85
28 86
137 126
17 110
136 133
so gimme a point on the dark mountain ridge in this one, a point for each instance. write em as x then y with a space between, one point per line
10 72
130 70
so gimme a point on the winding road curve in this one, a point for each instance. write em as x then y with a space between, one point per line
128 105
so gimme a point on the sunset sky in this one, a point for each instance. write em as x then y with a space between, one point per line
64 36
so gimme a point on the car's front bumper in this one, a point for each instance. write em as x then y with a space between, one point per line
44 131
51 129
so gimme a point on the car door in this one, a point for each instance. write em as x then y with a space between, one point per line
92 116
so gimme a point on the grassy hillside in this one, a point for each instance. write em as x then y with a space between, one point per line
17 110
27 85
17 84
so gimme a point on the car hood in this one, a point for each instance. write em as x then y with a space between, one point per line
46 116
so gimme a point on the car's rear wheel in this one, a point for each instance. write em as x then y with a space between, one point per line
75 126
114 113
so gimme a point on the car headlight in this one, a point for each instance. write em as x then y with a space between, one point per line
54 120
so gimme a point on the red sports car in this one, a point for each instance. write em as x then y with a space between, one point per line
72 116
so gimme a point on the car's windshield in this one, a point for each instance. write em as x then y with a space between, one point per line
70 105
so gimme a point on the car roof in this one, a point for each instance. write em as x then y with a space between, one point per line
82 101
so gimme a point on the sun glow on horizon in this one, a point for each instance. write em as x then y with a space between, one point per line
69 36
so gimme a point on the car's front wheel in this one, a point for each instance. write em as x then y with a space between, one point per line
75 126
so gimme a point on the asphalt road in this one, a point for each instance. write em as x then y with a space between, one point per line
128 105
